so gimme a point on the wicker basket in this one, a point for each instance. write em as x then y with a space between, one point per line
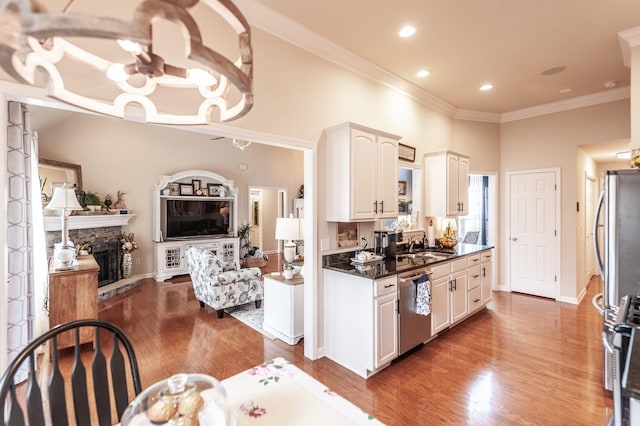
251 262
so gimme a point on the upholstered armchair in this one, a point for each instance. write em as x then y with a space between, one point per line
219 284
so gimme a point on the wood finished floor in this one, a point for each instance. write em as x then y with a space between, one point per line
523 361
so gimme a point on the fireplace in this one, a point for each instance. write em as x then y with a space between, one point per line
107 255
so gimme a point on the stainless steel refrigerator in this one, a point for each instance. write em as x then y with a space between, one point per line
617 223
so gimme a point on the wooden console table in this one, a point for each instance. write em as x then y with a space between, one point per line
73 295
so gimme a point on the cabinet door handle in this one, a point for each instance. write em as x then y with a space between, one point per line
382 207
455 284
476 276
462 206
476 300
375 207
390 285
484 272
450 286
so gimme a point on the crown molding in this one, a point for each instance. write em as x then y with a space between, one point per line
606 96
628 39
272 22
467 114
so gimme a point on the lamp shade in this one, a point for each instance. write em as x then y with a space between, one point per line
64 198
289 228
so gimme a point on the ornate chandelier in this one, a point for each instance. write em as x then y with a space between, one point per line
62 50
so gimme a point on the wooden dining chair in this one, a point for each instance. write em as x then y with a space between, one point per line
109 381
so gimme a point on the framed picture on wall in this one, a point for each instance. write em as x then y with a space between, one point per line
402 187
347 234
406 152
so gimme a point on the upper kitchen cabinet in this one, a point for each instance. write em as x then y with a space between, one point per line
451 198
362 174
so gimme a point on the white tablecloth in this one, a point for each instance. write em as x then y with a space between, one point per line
278 393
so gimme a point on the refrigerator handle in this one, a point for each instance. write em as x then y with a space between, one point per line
596 241
596 246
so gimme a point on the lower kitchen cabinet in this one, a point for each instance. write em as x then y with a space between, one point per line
486 275
361 321
385 321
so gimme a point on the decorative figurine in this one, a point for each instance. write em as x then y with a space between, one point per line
120 205
108 202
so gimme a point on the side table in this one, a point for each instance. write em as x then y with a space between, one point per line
284 307
73 295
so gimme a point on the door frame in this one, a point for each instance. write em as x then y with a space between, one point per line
588 225
282 198
558 218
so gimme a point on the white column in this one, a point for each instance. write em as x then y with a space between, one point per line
630 45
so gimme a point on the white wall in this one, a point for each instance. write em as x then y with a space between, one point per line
551 141
120 155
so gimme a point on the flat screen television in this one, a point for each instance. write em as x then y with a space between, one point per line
191 218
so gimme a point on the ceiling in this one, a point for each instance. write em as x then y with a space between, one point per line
466 43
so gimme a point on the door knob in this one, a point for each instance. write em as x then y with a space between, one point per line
514 239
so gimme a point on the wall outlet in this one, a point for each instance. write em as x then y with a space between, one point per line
324 244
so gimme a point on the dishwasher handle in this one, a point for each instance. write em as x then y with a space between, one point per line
413 277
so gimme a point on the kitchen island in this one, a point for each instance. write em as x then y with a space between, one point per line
361 300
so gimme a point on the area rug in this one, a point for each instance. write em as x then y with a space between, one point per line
251 316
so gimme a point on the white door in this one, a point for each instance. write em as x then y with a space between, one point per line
532 233
590 199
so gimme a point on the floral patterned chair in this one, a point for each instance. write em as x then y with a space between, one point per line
219 284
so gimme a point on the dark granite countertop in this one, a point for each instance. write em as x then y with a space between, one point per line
631 378
341 262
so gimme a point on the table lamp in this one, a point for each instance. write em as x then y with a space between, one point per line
64 199
289 229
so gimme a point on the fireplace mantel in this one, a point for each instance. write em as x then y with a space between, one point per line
53 223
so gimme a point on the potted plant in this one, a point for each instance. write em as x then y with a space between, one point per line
92 200
288 271
244 234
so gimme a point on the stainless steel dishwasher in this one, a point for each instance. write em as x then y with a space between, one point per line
413 328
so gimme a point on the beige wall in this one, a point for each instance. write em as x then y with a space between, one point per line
120 155
551 141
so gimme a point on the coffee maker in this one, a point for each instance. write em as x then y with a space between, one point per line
386 242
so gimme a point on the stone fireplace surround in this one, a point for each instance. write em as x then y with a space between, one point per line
103 233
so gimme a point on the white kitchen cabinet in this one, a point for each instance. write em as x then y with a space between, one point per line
440 296
361 321
449 299
486 272
362 173
386 321
474 282
459 307
169 256
450 198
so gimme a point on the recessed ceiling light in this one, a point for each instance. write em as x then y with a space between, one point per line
624 155
485 87
565 90
422 73
554 70
610 84
407 31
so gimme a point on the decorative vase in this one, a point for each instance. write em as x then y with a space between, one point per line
288 273
126 265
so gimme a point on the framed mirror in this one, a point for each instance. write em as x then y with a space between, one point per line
53 173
